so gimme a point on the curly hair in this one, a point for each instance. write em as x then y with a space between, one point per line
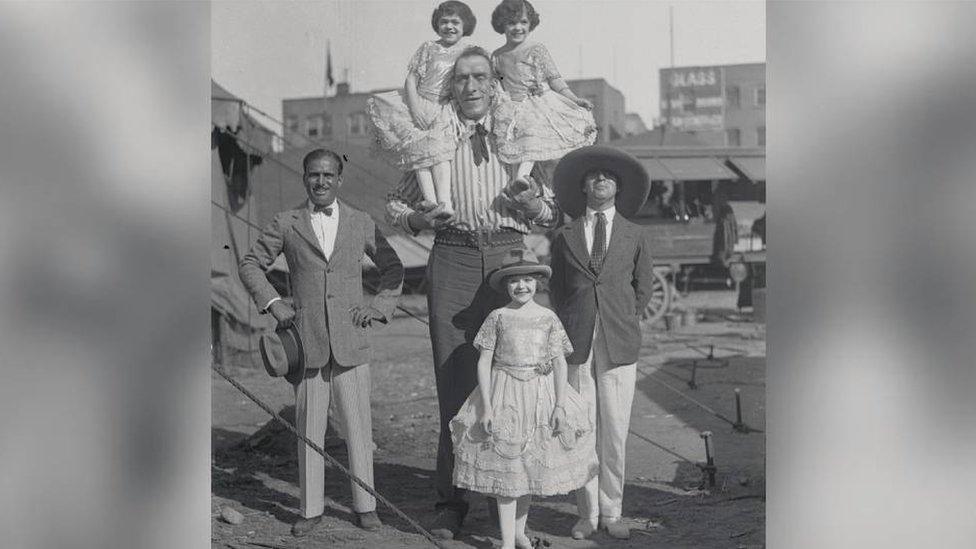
453 7
511 10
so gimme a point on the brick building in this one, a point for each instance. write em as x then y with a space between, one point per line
722 105
342 117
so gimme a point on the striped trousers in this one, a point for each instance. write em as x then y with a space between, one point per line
350 387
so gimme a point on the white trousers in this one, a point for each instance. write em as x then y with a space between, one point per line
351 389
609 389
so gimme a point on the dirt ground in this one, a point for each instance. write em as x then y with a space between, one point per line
667 500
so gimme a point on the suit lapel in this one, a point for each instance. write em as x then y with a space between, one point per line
618 233
303 226
343 231
576 242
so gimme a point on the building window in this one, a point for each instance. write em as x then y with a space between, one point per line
291 124
733 137
732 97
319 125
357 123
761 136
761 96
312 126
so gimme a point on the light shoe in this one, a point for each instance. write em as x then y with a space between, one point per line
615 529
583 528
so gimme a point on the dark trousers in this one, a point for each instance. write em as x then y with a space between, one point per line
458 299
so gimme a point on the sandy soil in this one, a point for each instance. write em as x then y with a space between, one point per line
667 502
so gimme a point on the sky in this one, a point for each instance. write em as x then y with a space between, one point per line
264 52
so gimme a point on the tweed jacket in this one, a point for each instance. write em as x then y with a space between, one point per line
620 292
325 289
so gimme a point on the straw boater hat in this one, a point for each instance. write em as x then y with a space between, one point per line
520 261
283 354
633 183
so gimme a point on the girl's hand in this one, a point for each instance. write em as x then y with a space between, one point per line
558 419
585 103
485 420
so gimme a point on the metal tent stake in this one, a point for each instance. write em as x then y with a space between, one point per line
709 467
739 425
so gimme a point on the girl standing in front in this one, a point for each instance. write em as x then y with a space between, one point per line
523 431
542 119
415 127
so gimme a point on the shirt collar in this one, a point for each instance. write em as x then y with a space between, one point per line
609 212
470 124
311 207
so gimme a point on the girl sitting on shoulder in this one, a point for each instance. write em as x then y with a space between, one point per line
414 127
544 119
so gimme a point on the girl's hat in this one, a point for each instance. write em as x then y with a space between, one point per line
520 261
633 183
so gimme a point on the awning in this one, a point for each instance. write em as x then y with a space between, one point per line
656 170
696 168
754 167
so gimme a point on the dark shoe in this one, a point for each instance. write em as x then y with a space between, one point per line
447 524
305 525
368 521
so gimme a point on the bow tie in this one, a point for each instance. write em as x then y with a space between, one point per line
327 210
479 147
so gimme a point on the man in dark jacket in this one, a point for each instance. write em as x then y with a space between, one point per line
601 282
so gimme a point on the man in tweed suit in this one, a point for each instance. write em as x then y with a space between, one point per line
601 282
324 242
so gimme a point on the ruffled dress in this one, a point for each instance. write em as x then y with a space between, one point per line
395 134
522 455
532 127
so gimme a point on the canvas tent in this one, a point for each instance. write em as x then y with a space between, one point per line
238 147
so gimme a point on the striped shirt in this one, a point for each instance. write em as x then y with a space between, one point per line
475 191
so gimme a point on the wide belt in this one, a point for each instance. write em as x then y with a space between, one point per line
478 239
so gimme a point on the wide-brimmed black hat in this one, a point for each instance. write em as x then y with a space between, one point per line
520 261
633 183
283 353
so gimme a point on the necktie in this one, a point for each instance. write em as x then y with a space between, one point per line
327 210
599 243
478 145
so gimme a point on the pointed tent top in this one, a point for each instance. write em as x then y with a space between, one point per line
218 92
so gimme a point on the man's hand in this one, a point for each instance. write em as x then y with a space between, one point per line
523 199
430 219
283 313
364 315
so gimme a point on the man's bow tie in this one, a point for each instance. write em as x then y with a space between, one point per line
479 147
327 210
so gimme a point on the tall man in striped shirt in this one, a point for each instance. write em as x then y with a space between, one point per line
489 220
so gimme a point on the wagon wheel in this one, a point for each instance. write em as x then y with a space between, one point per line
660 299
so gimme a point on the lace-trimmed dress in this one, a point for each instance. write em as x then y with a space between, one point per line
397 137
531 127
522 455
